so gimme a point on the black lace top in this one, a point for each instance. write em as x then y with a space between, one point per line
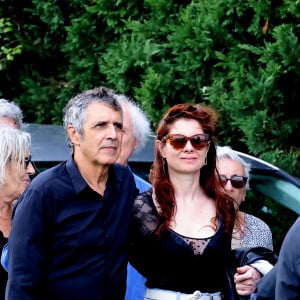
175 262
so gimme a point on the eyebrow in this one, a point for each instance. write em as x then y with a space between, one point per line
103 123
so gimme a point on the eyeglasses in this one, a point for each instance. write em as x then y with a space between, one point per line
236 181
27 161
178 141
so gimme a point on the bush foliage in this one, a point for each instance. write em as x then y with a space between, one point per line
241 57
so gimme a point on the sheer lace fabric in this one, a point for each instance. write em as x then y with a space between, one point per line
170 261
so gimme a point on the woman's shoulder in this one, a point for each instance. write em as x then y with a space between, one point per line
145 212
257 233
144 201
255 222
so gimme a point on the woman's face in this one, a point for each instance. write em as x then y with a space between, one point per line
228 168
186 159
17 180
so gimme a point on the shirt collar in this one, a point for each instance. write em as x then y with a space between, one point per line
80 184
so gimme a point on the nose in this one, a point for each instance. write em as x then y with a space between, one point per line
112 131
188 146
228 186
30 169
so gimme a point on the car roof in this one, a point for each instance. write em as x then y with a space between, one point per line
274 182
49 146
48 142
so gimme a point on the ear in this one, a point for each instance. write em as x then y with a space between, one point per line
136 144
73 135
160 148
244 195
208 145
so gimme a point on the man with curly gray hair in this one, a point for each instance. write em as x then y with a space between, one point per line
70 229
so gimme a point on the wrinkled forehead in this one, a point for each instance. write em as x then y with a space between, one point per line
228 166
9 122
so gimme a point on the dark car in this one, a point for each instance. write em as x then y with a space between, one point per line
273 191
49 147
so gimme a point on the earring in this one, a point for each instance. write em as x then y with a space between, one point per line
165 165
205 161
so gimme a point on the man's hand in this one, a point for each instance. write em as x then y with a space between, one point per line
246 279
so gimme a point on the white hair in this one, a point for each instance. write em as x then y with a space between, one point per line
229 153
14 146
12 111
140 122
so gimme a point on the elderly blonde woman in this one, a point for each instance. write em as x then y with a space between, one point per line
15 172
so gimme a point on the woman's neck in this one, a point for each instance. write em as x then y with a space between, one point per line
5 218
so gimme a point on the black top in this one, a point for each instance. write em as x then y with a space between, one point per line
174 262
69 242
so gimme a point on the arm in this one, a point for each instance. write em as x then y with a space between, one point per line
27 245
288 266
266 286
246 279
246 276
257 234
4 257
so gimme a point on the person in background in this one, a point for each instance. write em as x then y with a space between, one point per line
15 172
136 129
10 114
234 175
249 231
71 223
283 281
180 237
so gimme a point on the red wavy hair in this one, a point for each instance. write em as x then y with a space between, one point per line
159 177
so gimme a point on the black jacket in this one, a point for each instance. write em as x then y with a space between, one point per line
246 256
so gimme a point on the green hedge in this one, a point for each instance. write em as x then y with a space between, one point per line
242 57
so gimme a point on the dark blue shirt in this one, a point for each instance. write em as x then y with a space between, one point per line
283 281
69 242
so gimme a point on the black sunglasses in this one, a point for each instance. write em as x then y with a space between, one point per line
236 181
178 141
27 161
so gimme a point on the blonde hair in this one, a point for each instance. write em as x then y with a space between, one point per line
14 146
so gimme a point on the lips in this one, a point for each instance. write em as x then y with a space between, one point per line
26 181
110 146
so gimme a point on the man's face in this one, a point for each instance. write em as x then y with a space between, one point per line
101 139
129 142
10 122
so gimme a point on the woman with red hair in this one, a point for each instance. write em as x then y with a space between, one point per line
181 229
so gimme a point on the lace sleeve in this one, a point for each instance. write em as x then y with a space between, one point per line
145 213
